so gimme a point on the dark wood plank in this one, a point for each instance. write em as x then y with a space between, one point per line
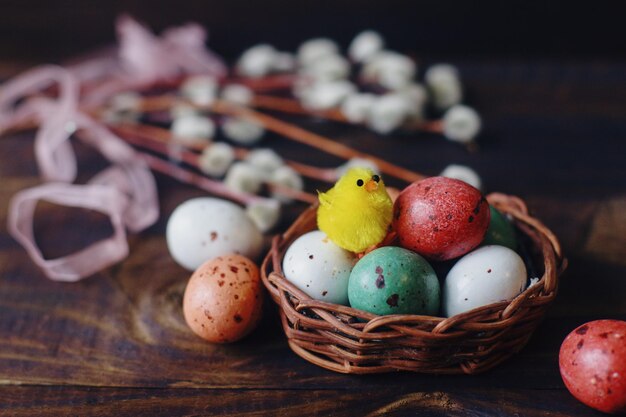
79 401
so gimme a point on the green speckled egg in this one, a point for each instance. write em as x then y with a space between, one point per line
500 231
393 280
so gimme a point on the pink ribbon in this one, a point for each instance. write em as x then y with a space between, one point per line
130 174
179 50
126 191
55 157
145 58
87 261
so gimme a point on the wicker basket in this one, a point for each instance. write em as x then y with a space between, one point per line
348 340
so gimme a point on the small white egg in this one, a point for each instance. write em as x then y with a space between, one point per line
205 228
286 176
242 131
216 159
388 113
319 268
356 162
461 124
444 84
244 178
180 109
192 128
324 95
237 93
327 68
313 49
390 69
395 79
357 106
364 45
266 159
487 275
264 213
284 61
463 173
256 61
416 96
200 89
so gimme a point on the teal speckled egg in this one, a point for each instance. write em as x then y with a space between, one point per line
500 231
393 280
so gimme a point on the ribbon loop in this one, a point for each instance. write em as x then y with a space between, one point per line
87 261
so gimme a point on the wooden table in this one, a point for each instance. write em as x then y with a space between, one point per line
117 344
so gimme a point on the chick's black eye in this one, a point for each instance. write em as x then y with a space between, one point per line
359 182
376 178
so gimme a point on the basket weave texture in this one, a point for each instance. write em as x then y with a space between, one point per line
347 340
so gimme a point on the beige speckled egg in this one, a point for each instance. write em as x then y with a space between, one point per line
204 228
223 299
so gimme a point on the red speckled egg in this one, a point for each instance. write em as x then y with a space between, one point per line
593 364
440 218
223 299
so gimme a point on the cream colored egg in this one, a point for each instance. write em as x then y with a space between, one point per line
487 275
319 268
205 228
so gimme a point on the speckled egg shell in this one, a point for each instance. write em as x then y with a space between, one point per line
393 280
592 361
224 298
319 268
440 218
485 276
205 228
500 231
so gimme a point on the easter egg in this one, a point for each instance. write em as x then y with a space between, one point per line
500 231
485 276
224 298
205 228
440 218
319 268
393 280
592 361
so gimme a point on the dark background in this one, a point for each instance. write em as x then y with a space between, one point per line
35 30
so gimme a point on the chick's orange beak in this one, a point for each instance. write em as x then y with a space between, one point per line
371 185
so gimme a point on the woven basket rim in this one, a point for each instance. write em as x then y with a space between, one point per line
339 337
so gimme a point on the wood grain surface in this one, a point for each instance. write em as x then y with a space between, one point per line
117 344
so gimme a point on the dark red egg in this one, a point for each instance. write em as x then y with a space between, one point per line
440 218
593 365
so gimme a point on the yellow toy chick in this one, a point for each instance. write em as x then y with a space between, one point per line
356 213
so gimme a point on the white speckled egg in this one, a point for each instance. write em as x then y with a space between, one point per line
319 267
487 275
205 228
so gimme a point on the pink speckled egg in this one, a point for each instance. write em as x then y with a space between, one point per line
223 299
593 364
440 218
